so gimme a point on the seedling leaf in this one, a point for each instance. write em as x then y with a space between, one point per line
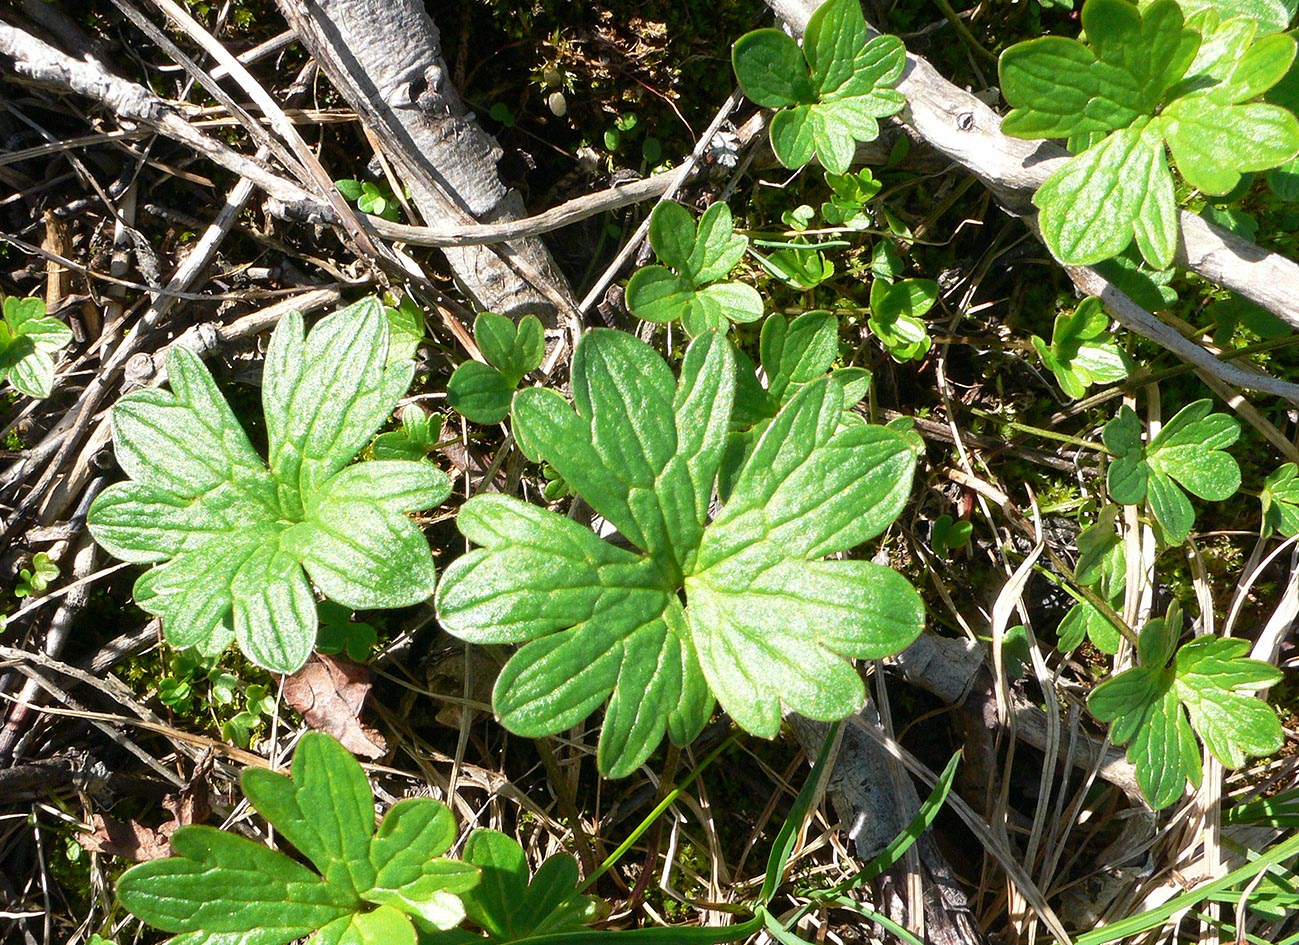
27 339
1082 351
699 256
1188 453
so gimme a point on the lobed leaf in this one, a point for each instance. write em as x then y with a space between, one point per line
231 538
602 622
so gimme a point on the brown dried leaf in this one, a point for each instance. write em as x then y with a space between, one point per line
130 840
329 692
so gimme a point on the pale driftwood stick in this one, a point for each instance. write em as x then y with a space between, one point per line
579 208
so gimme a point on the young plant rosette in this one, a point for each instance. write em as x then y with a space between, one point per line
743 608
237 546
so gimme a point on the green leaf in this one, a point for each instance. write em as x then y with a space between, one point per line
223 887
1157 709
480 393
699 257
514 350
36 580
763 620
405 329
1060 87
1188 453
506 906
236 542
896 308
831 93
799 268
27 339
797 352
1280 498
1149 78
1082 351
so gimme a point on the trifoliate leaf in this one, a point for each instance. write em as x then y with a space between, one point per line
514 350
235 542
1209 680
1188 453
763 621
830 93
850 195
1145 79
27 339
698 257
223 887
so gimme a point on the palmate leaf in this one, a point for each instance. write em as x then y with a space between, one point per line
1157 709
1151 77
764 621
369 886
238 546
831 93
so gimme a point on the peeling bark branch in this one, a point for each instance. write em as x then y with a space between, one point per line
385 57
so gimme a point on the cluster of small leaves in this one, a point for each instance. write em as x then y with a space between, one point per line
1188 453
1102 566
416 438
1082 350
27 339
764 621
1149 77
850 194
234 541
376 199
799 264
896 308
390 886
831 93
1210 680
482 392
688 287
35 580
